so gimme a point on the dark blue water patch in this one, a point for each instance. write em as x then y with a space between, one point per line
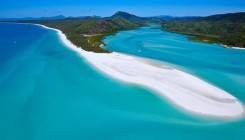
16 38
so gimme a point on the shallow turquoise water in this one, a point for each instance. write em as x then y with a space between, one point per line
222 67
48 92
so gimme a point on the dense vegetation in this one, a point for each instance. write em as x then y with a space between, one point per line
87 33
228 29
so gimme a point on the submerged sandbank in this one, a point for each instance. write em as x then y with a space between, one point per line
184 90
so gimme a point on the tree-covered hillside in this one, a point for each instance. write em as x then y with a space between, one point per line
88 33
228 29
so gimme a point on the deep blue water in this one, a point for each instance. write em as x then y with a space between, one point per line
47 92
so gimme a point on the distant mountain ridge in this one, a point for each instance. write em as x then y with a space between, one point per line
119 14
232 17
170 18
33 18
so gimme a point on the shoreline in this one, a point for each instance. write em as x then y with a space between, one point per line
189 36
183 90
238 48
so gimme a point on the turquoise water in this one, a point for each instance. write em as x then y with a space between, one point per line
47 92
222 67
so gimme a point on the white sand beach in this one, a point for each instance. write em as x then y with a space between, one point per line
184 90
239 48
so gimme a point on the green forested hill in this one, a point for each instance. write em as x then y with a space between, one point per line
228 29
230 17
88 33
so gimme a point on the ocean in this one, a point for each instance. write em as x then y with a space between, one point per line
49 92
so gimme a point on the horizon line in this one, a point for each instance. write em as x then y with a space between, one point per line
70 16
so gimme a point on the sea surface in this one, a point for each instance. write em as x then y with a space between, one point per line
48 92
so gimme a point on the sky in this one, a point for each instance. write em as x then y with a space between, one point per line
45 8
